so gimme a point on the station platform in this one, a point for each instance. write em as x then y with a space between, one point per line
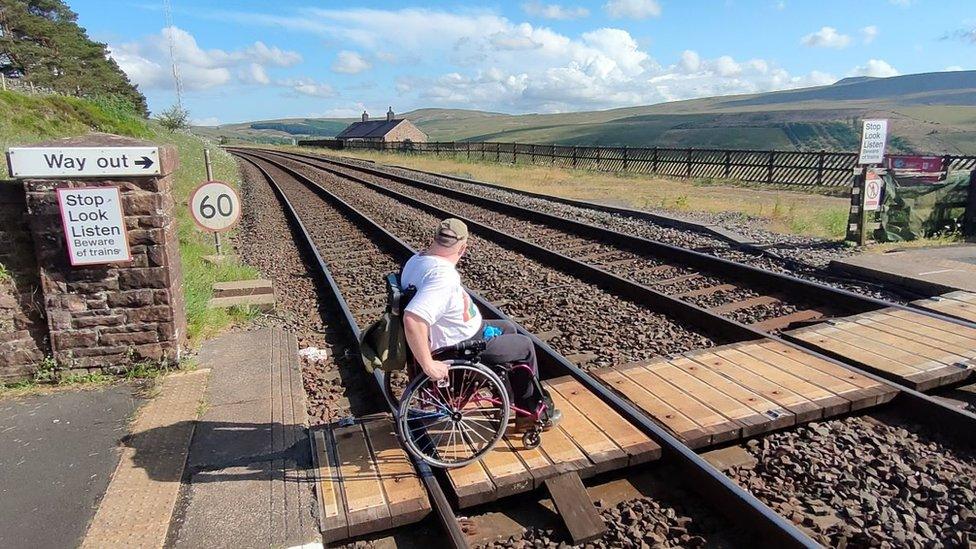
929 271
735 391
961 305
912 348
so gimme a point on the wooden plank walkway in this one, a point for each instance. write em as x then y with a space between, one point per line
591 439
917 350
366 482
959 304
735 391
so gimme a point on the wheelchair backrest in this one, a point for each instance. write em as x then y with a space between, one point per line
397 297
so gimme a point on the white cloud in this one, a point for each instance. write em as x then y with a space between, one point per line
481 60
875 67
953 68
308 86
780 5
554 11
350 62
869 33
147 61
826 37
633 9
208 121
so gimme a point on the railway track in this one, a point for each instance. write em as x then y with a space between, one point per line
731 330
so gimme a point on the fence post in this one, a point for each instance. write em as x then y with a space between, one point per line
688 164
574 156
533 153
820 166
946 163
468 146
552 155
514 153
598 157
728 164
769 167
654 163
969 223
625 158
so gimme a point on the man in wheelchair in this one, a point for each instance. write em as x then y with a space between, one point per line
442 314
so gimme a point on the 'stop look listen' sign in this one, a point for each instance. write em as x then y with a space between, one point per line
94 226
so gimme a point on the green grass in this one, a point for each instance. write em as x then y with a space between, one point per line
30 119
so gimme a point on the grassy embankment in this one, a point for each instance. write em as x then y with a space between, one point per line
28 119
784 211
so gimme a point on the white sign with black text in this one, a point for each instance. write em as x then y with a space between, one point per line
215 206
94 226
874 135
46 162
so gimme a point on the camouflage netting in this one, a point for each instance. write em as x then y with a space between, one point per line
913 208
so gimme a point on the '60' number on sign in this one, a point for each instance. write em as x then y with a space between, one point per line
215 206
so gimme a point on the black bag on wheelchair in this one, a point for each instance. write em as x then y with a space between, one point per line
383 344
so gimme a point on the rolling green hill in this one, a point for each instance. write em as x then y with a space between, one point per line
932 112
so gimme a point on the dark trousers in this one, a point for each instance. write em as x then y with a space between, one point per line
508 349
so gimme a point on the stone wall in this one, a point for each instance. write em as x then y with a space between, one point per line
106 317
23 327
406 131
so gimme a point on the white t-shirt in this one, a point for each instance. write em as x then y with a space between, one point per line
440 300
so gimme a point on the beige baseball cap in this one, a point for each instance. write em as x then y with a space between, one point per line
450 232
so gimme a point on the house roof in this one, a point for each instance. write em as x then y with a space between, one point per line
370 128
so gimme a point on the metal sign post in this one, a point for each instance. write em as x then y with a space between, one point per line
874 137
209 167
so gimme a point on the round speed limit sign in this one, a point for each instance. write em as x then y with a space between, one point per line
215 206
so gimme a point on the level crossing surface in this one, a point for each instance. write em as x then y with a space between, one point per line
917 350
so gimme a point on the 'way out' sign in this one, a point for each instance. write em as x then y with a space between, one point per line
874 133
44 162
94 228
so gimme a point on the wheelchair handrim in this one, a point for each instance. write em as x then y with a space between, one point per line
455 418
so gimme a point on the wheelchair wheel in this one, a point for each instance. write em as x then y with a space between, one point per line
455 424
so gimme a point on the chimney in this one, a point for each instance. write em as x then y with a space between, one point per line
365 116
389 114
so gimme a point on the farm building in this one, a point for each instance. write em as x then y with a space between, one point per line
391 129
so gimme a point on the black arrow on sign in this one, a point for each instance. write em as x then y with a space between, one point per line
145 162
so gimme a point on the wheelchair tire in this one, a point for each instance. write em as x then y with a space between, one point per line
455 425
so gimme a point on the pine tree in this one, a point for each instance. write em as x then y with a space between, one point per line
43 39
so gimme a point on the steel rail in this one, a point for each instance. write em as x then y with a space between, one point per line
649 247
740 505
961 424
442 507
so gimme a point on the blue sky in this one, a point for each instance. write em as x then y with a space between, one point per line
248 60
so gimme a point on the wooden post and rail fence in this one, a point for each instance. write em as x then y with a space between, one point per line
774 167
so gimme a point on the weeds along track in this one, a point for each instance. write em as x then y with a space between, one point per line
847 481
755 298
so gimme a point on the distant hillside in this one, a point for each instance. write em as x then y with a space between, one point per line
932 112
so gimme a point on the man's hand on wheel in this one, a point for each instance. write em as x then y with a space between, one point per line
435 370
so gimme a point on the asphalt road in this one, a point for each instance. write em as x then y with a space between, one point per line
57 454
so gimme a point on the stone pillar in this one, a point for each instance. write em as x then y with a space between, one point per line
110 316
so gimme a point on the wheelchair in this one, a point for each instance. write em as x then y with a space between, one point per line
458 420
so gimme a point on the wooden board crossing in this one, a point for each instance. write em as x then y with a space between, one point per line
365 482
960 304
740 390
917 350
591 439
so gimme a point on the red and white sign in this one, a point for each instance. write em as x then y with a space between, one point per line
215 206
914 163
873 185
94 225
